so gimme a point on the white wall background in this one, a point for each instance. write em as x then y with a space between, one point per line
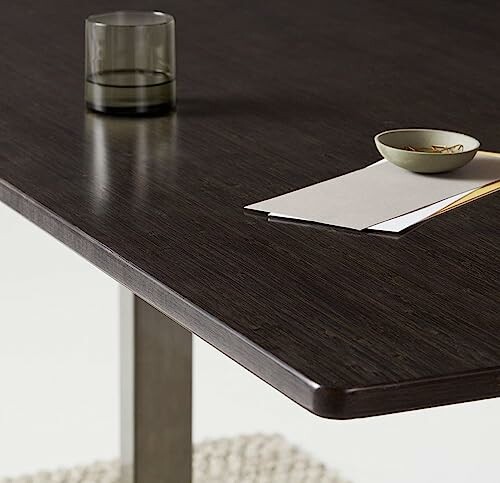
59 386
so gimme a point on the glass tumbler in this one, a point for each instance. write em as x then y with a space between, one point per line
130 62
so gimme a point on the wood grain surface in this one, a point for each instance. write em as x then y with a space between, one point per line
274 96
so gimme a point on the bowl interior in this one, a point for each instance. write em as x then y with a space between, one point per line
417 138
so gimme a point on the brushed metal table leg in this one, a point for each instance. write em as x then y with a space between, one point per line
156 366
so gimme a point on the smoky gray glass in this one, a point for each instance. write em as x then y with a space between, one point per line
130 62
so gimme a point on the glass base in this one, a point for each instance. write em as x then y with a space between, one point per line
156 110
130 92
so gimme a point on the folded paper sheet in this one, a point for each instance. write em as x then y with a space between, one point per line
380 192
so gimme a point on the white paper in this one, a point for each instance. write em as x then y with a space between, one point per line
400 223
379 193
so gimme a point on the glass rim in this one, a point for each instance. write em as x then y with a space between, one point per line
157 18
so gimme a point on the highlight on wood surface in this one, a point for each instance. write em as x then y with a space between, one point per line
435 148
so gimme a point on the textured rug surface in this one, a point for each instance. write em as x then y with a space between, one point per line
245 459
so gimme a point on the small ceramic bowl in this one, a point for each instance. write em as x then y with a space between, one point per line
392 146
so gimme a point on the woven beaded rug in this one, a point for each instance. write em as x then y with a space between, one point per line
245 459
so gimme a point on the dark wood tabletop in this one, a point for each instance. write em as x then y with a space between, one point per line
274 96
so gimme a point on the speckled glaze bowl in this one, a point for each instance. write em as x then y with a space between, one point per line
391 145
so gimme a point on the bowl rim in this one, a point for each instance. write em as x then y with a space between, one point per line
377 140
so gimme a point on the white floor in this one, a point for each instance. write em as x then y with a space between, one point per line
59 386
